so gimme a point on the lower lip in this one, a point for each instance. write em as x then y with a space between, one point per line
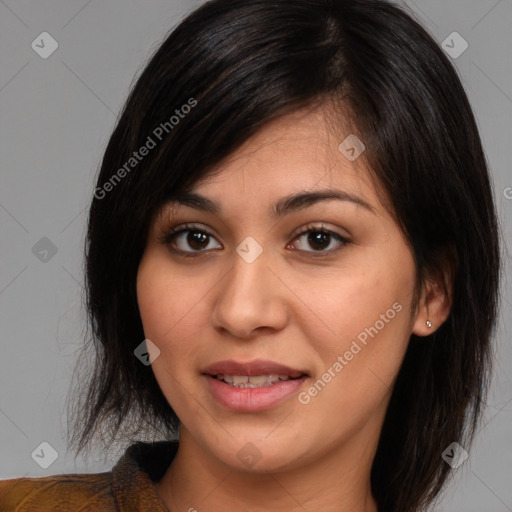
252 399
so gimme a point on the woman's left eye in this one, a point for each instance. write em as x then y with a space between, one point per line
320 239
197 238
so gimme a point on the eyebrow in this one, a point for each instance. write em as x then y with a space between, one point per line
284 206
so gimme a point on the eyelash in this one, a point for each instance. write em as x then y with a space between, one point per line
169 236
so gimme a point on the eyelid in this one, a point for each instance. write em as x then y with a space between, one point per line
315 227
169 233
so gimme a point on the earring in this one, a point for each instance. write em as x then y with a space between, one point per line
429 324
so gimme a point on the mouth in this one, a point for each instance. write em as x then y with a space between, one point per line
252 386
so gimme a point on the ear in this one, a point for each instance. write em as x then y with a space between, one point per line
435 302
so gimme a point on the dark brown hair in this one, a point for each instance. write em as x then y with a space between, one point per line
238 65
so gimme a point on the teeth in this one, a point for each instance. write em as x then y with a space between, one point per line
258 380
255 381
240 379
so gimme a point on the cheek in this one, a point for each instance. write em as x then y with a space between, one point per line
365 320
166 299
173 314
168 321
349 301
357 367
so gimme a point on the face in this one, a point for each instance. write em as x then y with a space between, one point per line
279 322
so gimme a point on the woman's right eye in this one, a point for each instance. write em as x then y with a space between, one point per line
187 237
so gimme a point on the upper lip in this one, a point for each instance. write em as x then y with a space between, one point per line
251 368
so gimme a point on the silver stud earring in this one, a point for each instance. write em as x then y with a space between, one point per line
429 324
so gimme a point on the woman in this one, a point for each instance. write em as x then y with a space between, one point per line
293 261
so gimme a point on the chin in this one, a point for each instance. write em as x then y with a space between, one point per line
255 454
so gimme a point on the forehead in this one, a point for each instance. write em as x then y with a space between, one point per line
299 150
291 163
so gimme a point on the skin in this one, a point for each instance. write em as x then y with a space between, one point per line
288 306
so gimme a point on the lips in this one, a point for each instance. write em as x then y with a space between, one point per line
252 386
252 368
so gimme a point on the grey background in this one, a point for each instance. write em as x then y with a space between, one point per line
56 117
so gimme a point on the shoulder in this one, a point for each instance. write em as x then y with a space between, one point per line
83 492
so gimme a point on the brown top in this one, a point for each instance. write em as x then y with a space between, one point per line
129 487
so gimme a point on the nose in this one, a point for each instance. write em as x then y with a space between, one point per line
251 299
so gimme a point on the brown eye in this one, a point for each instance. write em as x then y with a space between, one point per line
189 239
197 240
319 239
